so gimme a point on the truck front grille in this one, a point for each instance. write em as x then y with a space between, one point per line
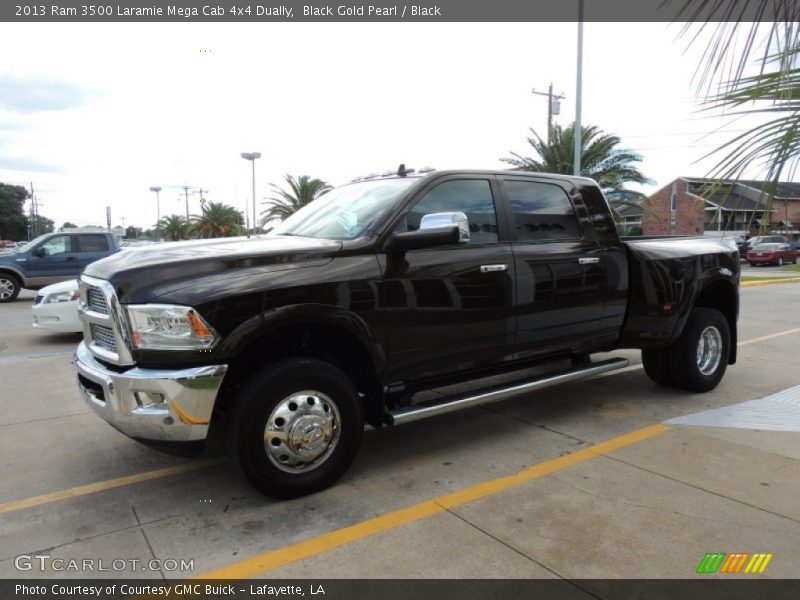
104 337
104 330
96 301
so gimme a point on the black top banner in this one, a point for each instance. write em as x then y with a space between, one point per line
393 11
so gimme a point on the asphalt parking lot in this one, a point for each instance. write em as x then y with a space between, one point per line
587 480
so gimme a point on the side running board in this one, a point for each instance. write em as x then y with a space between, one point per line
446 405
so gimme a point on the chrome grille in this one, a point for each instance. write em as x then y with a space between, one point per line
96 301
104 337
38 299
104 331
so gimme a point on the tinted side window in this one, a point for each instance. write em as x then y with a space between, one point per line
473 197
56 245
92 243
542 211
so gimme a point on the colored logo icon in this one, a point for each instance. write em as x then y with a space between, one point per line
737 562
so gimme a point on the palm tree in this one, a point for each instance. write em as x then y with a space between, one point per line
173 226
601 159
729 81
217 220
302 190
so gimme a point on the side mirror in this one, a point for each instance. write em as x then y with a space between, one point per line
423 238
40 251
447 219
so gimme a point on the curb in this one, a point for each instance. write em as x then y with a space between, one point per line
769 281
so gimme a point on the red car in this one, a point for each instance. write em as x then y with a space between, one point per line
772 253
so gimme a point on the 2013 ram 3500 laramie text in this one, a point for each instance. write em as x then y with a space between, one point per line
383 288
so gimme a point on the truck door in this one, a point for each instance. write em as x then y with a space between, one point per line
89 248
560 272
450 308
52 261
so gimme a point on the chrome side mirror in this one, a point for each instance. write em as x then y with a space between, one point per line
447 219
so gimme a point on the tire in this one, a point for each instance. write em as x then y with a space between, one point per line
9 288
656 365
298 391
794 260
780 261
752 264
701 373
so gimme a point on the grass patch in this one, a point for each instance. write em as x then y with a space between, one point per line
792 268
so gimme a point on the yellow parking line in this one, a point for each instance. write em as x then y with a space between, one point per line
769 281
91 488
267 561
771 336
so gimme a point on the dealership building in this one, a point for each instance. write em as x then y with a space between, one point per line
695 206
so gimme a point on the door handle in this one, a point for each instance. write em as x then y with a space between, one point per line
588 261
493 268
70 259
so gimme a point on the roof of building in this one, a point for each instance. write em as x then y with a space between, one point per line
739 194
629 210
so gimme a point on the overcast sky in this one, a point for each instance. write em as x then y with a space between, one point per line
95 114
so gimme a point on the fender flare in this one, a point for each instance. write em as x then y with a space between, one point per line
305 314
17 273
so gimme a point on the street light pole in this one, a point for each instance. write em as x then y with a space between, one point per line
157 190
252 156
579 94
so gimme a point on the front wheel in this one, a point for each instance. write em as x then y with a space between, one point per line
752 264
9 288
780 261
699 357
296 427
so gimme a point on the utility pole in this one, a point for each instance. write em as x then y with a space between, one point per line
553 107
32 224
186 189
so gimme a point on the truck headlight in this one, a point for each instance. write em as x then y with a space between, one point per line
168 327
62 297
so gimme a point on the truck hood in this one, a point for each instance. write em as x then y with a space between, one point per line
143 274
8 256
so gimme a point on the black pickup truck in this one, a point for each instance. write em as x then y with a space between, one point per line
379 290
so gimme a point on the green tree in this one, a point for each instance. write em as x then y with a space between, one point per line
217 220
601 158
13 223
68 225
301 191
751 69
41 224
173 227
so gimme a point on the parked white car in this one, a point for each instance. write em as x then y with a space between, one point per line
56 308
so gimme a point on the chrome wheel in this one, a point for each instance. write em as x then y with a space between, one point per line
302 431
7 288
709 350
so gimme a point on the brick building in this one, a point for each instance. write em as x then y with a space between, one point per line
691 206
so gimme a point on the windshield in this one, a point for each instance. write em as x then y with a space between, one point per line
345 213
29 246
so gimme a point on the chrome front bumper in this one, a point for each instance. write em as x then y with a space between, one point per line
151 404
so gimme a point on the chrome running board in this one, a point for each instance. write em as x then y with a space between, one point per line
445 405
